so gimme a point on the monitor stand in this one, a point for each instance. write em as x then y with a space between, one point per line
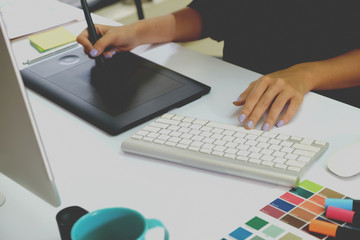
2 199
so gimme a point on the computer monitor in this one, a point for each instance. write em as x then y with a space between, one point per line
22 156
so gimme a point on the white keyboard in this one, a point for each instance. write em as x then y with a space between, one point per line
265 156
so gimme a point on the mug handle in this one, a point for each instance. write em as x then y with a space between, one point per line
154 223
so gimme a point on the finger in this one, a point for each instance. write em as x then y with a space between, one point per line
254 95
95 50
104 43
275 110
290 111
261 106
83 39
110 53
242 97
248 107
101 29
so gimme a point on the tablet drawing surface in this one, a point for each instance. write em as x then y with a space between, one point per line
127 91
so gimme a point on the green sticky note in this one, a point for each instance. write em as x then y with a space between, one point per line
51 39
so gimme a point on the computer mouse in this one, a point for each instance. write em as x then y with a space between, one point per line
346 161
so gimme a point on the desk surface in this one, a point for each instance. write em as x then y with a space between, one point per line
91 171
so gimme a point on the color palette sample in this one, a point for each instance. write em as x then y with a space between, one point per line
288 217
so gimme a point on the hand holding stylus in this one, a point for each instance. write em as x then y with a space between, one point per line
93 36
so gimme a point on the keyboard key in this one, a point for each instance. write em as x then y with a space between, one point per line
168 121
188 119
267 158
295 163
242 158
195 149
231 150
306 147
304 153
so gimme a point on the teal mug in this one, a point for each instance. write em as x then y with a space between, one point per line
114 224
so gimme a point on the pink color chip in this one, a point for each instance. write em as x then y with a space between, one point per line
292 198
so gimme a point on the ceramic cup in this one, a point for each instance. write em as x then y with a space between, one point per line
113 224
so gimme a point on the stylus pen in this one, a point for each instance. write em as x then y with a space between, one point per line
42 57
93 37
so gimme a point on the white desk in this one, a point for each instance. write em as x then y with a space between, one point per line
91 171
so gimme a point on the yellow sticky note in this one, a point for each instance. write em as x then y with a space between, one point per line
52 39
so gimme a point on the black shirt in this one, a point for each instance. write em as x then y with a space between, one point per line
268 35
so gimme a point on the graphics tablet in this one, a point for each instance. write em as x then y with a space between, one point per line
127 91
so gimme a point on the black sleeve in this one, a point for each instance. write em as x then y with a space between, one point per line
211 15
221 17
224 19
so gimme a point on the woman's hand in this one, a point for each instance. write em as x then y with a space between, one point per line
179 26
274 92
114 39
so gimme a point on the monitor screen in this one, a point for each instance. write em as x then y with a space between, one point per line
22 157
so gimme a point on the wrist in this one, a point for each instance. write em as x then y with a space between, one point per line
135 31
311 76
153 30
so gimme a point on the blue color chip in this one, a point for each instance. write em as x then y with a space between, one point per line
285 206
240 234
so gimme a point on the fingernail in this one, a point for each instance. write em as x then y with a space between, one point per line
107 56
93 52
265 127
238 99
249 124
113 52
280 123
242 117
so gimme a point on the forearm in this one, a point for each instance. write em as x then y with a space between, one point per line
180 26
335 73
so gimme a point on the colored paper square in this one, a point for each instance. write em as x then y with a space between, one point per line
302 192
311 186
293 221
292 198
273 231
312 207
318 199
328 193
256 223
240 234
281 204
257 238
290 236
303 214
274 212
